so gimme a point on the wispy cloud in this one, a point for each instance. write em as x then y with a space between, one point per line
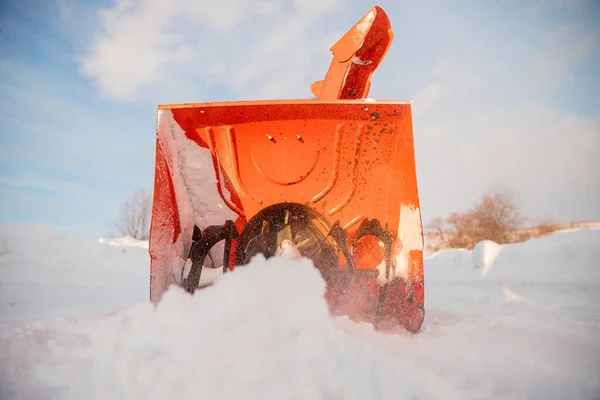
56 124
561 49
263 48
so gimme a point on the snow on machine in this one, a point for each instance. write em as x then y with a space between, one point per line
332 179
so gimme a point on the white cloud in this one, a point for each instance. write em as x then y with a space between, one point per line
562 48
49 127
151 45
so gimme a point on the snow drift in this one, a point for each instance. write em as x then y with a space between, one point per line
45 273
124 241
527 328
261 332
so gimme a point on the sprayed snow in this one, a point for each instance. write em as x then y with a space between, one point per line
381 268
197 193
528 329
357 60
410 238
127 241
409 230
195 180
287 249
287 346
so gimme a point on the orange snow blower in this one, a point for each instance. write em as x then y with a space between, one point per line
332 179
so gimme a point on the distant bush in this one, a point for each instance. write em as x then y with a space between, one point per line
545 229
495 217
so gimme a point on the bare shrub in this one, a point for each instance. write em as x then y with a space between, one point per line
545 229
495 217
436 236
576 224
134 219
498 217
437 227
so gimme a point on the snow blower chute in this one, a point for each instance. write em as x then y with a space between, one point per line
331 178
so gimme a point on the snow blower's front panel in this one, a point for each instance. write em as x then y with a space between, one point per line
348 162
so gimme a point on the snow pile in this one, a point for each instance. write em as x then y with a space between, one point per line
527 329
484 255
261 332
556 273
45 274
124 241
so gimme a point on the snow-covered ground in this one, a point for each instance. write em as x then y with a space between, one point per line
124 241
510 322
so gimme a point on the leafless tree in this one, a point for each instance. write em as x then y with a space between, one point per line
436 235
134 219
545 228
498 217
495 216
437 227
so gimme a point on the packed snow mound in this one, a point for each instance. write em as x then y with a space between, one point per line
45 273
567 255
124 241
484 255
556 272
261 332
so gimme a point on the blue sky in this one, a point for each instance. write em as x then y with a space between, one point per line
505 93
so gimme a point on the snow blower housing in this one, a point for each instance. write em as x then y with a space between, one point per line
332 179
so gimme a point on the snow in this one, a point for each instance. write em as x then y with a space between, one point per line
410 233
77 323
124 241
45 274
484 255
198 197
